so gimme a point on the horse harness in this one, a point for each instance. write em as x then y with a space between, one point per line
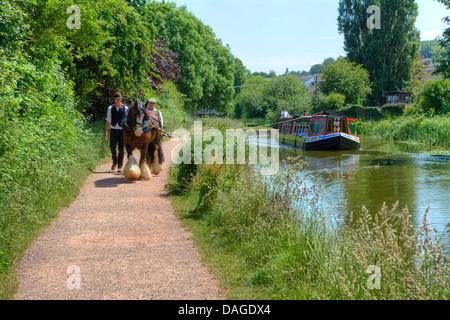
146 126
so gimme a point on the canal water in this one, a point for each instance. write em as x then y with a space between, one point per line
382 172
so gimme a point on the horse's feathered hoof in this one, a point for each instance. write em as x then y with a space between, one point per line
131 171
157 169
146 174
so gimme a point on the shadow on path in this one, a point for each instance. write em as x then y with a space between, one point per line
113 182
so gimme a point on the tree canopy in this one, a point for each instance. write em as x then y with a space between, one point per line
444 66
346 78
207 67
260 97
387 53
109 52
127 46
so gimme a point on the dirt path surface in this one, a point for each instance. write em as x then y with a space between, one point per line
121 240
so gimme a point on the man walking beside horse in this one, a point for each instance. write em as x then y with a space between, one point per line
142 129
114 118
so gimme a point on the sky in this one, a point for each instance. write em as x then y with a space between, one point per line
295 34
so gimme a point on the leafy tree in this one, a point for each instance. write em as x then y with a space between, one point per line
262 74
419 74
13 26
165 65
444 66
347 79
437 54
316 69
241 74
110 52
138 4
426 46
333 101
286 92
388 53
207 73
251 100
272 74
435 96
266 98
327 61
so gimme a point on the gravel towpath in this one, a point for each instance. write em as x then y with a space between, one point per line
117 240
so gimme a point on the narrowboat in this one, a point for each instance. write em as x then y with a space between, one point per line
327 133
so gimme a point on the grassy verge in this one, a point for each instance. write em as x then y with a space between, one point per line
267 238
433 131
50 182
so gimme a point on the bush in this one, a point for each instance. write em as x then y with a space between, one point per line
394 109
346 78
333 101
264 98
46 150
321 103
273 117
368 113
435 96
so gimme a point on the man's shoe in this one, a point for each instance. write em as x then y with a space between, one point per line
113 167
120 169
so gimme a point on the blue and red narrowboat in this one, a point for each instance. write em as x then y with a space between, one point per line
327 133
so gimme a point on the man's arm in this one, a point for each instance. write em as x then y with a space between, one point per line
108 123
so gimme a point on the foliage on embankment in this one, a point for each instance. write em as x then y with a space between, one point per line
433 131
267 238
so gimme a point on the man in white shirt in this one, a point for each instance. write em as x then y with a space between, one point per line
151 103
285 114
114 118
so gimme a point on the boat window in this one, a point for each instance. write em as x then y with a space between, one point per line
286 126
352 127
330 126
317 127
344 126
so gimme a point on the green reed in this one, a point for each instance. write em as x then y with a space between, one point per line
433 131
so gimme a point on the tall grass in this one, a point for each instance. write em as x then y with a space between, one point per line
268 238
42 181
433 131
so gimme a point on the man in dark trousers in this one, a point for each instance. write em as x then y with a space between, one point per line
114 117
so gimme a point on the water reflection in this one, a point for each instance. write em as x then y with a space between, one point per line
383 172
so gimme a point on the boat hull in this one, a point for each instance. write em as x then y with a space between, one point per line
334 142
319 133
295 141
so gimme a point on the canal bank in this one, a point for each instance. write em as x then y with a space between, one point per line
383 171
260 245
432 131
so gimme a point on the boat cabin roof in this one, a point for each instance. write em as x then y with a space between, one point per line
323 117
